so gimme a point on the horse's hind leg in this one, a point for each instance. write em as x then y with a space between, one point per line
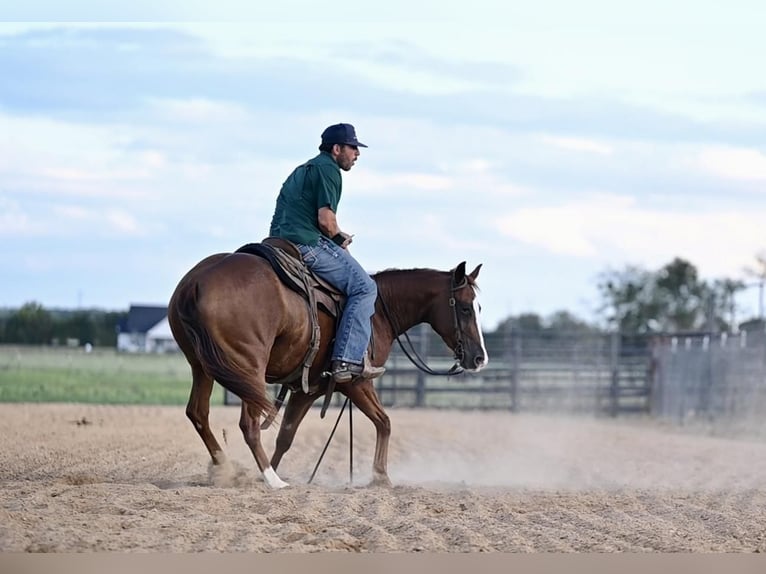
198 411
363 395
297 406
251 429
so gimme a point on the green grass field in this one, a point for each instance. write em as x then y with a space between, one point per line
50 374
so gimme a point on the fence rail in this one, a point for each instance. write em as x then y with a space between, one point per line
593 373
719 381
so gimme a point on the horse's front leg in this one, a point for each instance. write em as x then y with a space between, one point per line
295 410
251 429
363 395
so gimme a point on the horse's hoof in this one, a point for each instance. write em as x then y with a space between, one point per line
273 480
381 480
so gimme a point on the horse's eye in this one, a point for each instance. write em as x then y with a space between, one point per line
466 309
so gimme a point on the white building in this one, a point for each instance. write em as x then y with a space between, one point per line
146 330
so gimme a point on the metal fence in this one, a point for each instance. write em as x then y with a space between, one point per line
596 373
700 378
575 372
718 380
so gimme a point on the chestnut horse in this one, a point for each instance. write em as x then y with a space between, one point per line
239 325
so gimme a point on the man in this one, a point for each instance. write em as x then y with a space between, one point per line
306 215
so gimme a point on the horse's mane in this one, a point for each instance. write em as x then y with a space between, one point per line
414 274
394 285
395 271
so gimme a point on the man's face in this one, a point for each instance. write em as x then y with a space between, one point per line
346 156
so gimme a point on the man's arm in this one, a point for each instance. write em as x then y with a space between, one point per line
328 224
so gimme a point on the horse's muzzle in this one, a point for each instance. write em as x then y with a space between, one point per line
476 364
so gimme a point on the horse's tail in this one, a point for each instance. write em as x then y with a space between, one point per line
227 373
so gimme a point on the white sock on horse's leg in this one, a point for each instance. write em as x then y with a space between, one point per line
272 479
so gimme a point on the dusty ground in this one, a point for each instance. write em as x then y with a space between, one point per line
138 479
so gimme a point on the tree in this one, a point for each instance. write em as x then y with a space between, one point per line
31 325
628 299
78 325
674 298
565 322
682 298
724 292
106 327
759 273
526 322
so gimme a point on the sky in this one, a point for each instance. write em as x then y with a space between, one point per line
548 141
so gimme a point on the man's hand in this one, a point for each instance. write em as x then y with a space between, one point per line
349 239
343 239
328 224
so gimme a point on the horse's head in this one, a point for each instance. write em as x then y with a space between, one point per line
458 322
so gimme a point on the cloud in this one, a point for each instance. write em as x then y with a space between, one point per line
45 157
111 74
578 144
123 222
90 72
451 184
196 110
14 221
615 230
413 70
62 221
401 182
130 151
745 164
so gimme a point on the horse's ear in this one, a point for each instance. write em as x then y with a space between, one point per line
475 273
458 273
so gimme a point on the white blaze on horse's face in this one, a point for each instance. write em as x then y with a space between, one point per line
476 315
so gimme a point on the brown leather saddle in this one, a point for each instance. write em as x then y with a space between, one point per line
286 260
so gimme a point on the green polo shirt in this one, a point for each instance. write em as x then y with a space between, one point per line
311 186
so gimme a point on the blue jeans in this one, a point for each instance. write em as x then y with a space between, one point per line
336 266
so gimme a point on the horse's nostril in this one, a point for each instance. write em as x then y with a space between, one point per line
478 361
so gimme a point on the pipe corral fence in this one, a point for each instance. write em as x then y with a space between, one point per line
711 379
599 373
714 381
602 373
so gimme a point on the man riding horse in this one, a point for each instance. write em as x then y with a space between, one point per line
305 214
239 323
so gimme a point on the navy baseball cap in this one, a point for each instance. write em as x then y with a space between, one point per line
341 134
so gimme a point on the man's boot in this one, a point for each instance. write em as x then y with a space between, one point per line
344 372
369 371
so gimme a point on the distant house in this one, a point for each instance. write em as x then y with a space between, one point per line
145 330
159 338
754 330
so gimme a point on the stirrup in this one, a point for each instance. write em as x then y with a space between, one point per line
369 371
344 372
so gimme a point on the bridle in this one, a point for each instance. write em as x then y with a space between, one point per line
414 357
458 351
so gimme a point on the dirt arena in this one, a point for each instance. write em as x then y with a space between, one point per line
82 478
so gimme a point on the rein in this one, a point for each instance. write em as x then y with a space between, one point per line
415 359
413 355
350 443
